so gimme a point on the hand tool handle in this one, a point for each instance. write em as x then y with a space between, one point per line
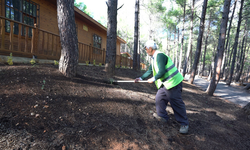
130 81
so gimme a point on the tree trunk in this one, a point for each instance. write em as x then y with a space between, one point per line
246 108
200 64
176 48
248 73
111 38
229 63
211 66
223 64
191 60
136 66
182 37
206 43
236 44
139 50
210 72
199 43
228 36
167 52
247 86
68 37
240 63
239 55
220 49
243 53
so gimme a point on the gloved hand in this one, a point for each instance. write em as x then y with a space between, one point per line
151 80
137 80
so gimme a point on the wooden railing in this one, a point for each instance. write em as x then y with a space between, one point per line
46 45
11 42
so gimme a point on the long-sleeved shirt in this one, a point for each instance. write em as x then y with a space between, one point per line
161 61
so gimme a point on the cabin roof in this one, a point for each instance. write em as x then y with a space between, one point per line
92 21
79 13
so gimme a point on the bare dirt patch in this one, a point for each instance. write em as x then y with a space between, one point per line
41 109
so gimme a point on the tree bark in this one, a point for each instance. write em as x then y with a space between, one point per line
182 37
239 55
167 50
243 53
176 48
220 49
247 86
248 73
191 59
68 37
139 40
136 66
240 63
235 44
205 50
111 38
246 108
199 43
229 63
228 37
200 64
210 72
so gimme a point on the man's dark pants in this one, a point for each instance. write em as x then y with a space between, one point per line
173 96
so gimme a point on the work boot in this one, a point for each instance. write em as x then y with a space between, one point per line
159 118
184 129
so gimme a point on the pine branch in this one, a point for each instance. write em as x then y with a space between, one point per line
120 7
197 16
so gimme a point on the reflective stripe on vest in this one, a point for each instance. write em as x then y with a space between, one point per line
172 76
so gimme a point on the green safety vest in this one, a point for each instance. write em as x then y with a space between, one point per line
172 76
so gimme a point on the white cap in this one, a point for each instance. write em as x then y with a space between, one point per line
151 43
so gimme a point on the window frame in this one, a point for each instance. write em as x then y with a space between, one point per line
29 17
97 40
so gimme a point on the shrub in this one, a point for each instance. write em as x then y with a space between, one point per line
9 61
32 61
56 62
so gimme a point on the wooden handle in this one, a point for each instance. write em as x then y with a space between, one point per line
129 81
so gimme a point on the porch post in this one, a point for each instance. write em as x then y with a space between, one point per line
11 35
19 37
2 32
34 43
90 53
103 56
26 39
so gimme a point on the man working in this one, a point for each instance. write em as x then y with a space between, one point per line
168 80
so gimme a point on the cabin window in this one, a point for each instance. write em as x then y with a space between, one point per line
97 44
24 11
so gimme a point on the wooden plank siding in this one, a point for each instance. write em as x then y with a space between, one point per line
45 40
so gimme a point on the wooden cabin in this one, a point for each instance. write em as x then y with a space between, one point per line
29 27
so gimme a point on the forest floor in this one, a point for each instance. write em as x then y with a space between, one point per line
42 109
